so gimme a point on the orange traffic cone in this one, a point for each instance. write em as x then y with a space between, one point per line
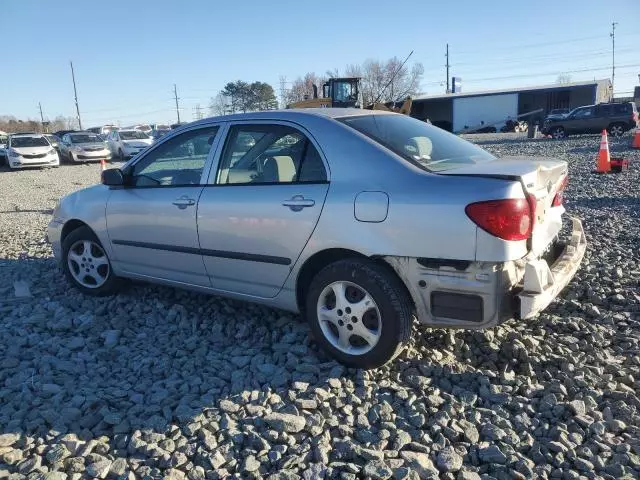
636 139
604 160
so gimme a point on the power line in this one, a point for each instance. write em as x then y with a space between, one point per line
532 59
141 114
550 73
75 94
128 105
175 94
530 45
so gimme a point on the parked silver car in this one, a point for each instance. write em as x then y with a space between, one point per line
358 219
83 147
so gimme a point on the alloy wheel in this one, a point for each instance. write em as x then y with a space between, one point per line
88 264
349 318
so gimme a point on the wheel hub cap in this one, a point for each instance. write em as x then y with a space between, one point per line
88 264
349 318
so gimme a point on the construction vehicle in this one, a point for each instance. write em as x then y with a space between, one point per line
343 93
336 92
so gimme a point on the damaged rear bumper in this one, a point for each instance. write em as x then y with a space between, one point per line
476 295
542 282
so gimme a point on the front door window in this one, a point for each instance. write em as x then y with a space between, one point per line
177 162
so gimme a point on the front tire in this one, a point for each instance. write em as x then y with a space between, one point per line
359 313
558 133
86 265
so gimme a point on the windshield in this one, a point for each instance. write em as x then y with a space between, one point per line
134 135
160 132
52 139
422 144
85 138
345 91
3 139
22 142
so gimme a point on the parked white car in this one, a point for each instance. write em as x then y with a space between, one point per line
83 147
30 150
128 143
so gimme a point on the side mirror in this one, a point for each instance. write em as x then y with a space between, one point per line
113 177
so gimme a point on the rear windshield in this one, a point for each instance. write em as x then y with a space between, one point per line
422 144
86 138
133 135
22 142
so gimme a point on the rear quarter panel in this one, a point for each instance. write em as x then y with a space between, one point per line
426 216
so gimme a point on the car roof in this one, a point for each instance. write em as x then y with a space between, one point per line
26 135
293 114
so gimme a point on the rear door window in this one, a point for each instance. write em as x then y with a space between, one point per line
605 110
269 154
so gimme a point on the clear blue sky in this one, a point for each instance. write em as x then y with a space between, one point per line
128 54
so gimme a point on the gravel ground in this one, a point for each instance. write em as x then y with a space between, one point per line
159 382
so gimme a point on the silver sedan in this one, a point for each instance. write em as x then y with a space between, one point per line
360 220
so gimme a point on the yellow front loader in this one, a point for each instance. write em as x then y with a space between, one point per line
343 93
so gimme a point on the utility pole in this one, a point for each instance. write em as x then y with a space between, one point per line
175 95
613 55
283 91
41 116
197 112
75 94
447 65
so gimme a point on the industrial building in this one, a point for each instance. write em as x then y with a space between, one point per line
457 111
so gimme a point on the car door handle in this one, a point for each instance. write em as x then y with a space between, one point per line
184 202
298 202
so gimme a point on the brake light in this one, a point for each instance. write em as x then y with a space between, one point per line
559 198
509 219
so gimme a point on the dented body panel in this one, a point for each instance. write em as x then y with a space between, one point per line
513 289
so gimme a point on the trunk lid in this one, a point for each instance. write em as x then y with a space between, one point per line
541 179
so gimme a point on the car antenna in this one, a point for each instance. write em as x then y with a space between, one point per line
392 77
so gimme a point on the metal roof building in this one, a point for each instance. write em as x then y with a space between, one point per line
457 111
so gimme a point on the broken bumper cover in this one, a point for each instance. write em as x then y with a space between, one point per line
542 283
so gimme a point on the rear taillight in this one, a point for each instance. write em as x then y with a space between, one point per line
509 219
559 198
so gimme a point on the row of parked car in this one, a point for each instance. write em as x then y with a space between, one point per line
48 150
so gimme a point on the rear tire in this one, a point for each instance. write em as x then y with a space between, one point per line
616 129
355 297
91 262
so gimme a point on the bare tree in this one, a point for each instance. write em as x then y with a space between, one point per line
389 81
563 79
219 105
302 88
